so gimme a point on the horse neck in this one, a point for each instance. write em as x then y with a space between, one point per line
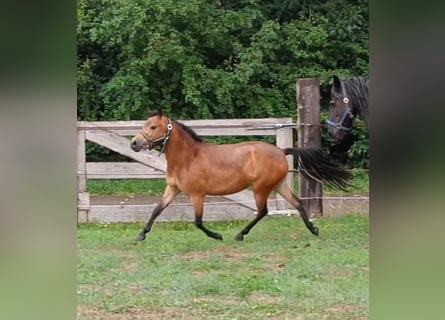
363 110
365 116
179 146
360 95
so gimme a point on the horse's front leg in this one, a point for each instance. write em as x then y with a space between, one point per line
198 206
169 194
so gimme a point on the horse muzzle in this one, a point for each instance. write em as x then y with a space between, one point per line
137 145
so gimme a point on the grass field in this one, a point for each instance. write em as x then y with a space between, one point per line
280 271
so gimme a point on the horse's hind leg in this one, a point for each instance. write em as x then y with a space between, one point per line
261 203
198 206
287 194
169 194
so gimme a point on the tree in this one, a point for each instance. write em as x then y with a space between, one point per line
212 59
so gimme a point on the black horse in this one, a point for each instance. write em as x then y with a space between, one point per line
349 98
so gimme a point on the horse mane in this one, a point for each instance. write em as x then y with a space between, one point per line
357 87
187 129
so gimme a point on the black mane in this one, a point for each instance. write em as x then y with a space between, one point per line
357 87
189 131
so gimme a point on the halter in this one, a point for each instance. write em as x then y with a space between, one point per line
164 138
346 113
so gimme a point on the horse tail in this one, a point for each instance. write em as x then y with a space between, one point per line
316 165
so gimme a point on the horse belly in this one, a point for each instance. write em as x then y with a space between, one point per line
226 186
217 182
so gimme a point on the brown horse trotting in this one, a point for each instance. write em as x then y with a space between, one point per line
198 169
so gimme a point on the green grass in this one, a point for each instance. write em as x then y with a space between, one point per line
280 271
151 187
126 186
359 183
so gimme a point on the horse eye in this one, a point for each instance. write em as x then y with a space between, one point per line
153 127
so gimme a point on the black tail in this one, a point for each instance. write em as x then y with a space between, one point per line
316 165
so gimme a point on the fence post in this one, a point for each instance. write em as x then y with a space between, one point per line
309 135
285 139
83 197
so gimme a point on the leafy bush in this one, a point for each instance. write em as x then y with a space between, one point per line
211 59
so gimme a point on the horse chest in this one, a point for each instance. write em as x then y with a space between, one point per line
182 180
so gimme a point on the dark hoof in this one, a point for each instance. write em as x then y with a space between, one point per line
217 236
239 237
141 236
315 231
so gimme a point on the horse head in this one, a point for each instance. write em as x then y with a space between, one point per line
155 132
341 111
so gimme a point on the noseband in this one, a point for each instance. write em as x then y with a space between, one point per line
347 113
164 138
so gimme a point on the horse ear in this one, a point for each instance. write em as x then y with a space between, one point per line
337 83
159 112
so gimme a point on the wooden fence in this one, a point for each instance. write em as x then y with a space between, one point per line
148 165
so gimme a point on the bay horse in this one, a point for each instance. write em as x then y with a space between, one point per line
349 98
198 168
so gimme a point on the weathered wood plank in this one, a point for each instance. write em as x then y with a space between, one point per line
122 145
81 162
213 212
221 127
174 212
122 170
111 135
309 135
285 139
83 198
83 201
338 207
196 124
82 216
209 132
116 213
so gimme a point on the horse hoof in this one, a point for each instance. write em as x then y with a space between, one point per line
239 237
217 236
315 231
141 236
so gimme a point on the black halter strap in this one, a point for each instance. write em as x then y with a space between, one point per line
164 138
347 113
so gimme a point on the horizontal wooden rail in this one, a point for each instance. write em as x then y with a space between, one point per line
122 170
228 127
114 135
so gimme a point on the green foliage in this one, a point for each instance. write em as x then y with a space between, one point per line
359 152
126 186
211 59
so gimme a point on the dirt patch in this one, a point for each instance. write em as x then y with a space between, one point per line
92 313
221 300
344 274
340 312
200 273
257 297
227 253
343 308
